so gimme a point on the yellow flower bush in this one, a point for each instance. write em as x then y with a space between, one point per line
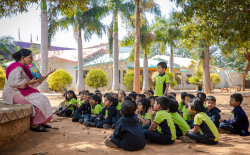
2 78
59 80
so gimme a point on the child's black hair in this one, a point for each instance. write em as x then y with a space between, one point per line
123 92
72 92
201 95
173 106
163 101
133 92
112 99
127 98
80 92
90 94
183 95
170 97
152 97
107 94
96 98
238 97
145 103
163 65
141 95
190 96
65 95
151 91
146 92
210 98
132 95
174 94
114 94
97 91
128 108
86 91
197 104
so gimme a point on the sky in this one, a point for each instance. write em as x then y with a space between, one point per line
30 23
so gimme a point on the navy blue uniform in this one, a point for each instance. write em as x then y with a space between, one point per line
214 115
128 134
111 112
116 119
84 109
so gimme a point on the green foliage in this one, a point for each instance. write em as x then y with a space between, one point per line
96 78
7 42
128 79
2 61
173 83
195 80
2 78
59 80
215 79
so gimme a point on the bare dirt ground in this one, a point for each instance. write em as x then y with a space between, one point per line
91 139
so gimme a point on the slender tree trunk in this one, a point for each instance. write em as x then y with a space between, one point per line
137 48
206 72
80 82
44 87
145 86
116 84
247 56
171 61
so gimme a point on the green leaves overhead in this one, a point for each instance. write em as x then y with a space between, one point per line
7 42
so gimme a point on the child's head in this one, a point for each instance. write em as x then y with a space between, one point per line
196 105
94 100
99 94
86 92
115 95
128 108
139 96
210 102
97 91
188 97
183 95
152 100
201 95
236 99
146 94
110 100
161 103
173 106
87 98
170 97
151 93
132 96
81 94
143 105
126 98
65 95
173 94
162 67
107 94
121 94
71 94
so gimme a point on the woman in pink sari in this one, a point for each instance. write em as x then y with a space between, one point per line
19 89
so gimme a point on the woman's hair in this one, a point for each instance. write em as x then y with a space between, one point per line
127 98
145 103
19 54
72 92
128 108
173 105
123 92
112 99
197 104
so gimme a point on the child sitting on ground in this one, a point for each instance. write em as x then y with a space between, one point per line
100 95
173 94
238 122
84 109
152 101
165 133
106 115
62 104
69 105
146 94
118 115
128 132
212 111
96 108
151 93
181 125
204 130
189 118
121 94
203 97
182 103
143 115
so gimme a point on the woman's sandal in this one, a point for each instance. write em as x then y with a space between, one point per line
37 129
46 126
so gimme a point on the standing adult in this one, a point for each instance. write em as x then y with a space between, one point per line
19 89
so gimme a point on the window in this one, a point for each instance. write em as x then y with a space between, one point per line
188 76
178 78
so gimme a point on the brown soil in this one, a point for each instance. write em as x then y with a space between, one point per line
91 139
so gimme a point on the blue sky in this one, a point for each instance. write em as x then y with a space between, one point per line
30 22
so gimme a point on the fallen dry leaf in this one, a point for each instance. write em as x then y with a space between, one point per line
40 153
188 146
54 128
80 149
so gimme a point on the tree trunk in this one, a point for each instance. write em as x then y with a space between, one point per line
116 84
145 86
80 82
44 87
247 56
137 48
171 61
206 72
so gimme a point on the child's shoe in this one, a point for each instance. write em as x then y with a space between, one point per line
222 131
64 115
85 123
91 124
107 126
186 139
81 120
108 143
113 126
74 119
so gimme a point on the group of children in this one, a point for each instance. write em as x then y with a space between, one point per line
160 119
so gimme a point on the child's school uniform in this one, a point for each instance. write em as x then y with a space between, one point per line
95 110
102 104
181 125
208 133
128 134
160 84
204 105
187 116
238 122
145 116
181 105
69 111
111 112
214 115
85 108
119 106
165 133
116 118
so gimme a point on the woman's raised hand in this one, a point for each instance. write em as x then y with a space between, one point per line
51 71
